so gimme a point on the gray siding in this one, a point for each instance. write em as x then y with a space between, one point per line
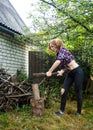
13 54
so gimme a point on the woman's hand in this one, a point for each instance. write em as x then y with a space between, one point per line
48 73
60 73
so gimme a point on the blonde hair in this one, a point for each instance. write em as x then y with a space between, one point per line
56 42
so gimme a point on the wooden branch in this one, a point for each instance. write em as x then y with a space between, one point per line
12 84
37 75
72 17
5 81
19 95
11 92
41 81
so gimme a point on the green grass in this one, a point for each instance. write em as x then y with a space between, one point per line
22 119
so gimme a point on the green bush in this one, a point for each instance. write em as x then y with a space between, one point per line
21 76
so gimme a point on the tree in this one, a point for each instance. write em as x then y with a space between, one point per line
71 20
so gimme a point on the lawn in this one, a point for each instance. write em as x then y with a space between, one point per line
22 119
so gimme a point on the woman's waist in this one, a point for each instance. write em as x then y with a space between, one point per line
73 65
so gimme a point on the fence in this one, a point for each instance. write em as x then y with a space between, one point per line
37 60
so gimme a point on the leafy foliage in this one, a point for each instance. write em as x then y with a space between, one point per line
21 76
69 20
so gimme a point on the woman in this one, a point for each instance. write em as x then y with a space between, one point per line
66 61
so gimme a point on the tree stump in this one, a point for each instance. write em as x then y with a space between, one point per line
37 102
37 107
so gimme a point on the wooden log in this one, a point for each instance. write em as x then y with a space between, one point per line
36 93
37 75
37 107
37 102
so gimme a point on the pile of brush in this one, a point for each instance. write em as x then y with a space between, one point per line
13 94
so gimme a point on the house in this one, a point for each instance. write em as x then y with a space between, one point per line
13 52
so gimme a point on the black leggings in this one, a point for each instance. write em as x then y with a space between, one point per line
77 77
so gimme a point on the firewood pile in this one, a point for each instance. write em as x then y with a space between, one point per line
13 94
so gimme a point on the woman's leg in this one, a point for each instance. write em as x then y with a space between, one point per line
79 76
67 83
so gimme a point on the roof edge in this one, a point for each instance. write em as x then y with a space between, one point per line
8 30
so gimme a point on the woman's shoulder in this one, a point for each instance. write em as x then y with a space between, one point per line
62 49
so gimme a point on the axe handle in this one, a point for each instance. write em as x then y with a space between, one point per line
42 74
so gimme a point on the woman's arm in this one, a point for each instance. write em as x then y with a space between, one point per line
53 67
60 73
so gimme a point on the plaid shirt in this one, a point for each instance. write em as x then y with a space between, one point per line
65 57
